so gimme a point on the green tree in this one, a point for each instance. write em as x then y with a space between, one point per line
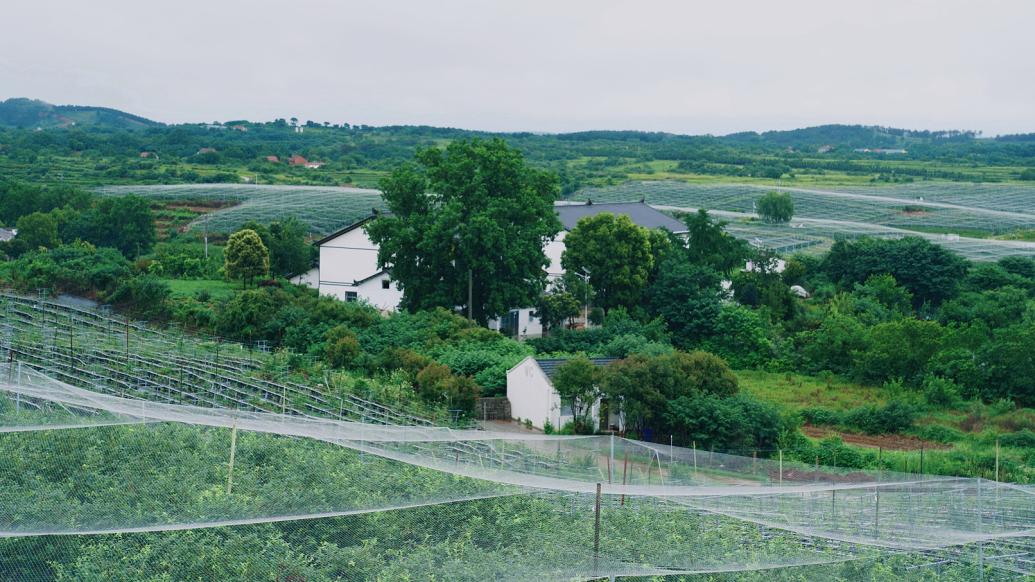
898 349
472 216
929 271
290 254
556 307
576 382
775 207
710 245
688 298
245 257
616 255
643 385
36 230
125 223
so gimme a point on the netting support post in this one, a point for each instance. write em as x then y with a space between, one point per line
781 466
233 453
694 445
997 460
625 471
596 532
981 544
611 459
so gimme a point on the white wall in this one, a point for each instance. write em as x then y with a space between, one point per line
347 258
553 250
310 278
531 395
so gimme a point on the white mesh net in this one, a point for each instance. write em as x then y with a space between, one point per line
117 467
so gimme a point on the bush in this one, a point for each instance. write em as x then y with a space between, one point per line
144 297
437 384
893 417
938 433
1022 439
941 392
822 416
342 347
735 424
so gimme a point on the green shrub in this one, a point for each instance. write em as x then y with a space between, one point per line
893 417
342 347
938 433
1021 439
821 416
941 392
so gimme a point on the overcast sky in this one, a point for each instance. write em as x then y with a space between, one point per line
694 67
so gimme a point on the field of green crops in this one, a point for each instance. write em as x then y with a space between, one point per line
325 209
963 217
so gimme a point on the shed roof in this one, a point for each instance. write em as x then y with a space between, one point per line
549 366
641 213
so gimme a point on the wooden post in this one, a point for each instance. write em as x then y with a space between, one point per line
876 515
781 466
611 458
694 445
997 460
596 532
625 470
921 461
233 453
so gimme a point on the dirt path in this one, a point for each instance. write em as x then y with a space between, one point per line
895 442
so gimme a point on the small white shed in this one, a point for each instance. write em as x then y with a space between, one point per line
533 397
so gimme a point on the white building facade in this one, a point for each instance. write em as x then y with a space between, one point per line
348 269
533 398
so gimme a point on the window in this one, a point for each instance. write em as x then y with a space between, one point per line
385 283
351 296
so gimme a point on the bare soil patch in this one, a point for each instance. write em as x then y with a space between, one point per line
894 442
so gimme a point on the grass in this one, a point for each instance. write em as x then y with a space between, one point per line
965 435
793 392
218 289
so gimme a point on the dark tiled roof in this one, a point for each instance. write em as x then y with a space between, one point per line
640 213
550 365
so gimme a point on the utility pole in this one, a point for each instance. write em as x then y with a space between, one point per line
470 294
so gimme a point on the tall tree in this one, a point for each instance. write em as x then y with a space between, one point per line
245 257
469 219
929 271
775 207
688 297
616 255
34 231
709 244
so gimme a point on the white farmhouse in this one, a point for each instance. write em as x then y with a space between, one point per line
348 261
532 395
348 269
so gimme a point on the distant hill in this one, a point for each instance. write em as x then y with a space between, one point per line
31 113
854 136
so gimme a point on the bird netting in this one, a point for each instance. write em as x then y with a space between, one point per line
86 476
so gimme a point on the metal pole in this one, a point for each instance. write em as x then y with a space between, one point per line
596 533
781 466
233 453
625 470
693 444
611 458
997 460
